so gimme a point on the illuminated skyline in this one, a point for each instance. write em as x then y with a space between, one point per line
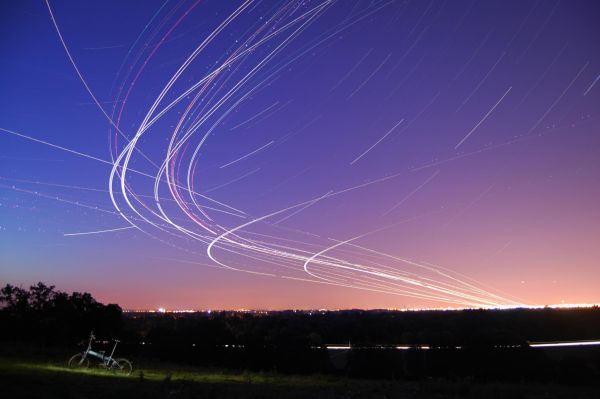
387 154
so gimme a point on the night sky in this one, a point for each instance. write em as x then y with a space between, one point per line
302 154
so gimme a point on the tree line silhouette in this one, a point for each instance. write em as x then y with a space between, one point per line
44 315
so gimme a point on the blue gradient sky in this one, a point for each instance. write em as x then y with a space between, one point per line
492 173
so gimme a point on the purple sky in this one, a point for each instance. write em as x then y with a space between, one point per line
303 154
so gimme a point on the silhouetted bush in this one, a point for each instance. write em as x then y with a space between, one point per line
46 316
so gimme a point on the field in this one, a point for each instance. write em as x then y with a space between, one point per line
21 378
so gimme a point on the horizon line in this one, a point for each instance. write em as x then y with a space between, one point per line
322 310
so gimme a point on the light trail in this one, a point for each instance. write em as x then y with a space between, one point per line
347 75
564 344
377 142
369 77
543 75
470 60
482 119
591 86
469 206
403 200
303 208
255 116
247 155
408 51
84 155
98 231
487 75
253 171
81 154
79 74
421 112
538 33
559 98
81 78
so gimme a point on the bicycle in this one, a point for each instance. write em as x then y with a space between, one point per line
81 360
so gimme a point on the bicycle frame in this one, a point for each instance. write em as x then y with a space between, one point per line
81 360
107 361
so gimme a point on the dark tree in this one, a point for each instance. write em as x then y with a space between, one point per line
41 314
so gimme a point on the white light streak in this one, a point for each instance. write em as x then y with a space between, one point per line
482 119
98 231
558 99
377 142
430 178
248 155
592 85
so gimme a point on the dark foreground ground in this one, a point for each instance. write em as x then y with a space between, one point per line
34 379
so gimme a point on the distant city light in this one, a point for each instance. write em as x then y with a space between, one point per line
419 309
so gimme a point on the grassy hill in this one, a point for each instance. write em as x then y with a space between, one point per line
29 379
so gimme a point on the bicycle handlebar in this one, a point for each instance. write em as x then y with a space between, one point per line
93 337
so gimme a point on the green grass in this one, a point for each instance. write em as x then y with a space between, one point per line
35 379
167 373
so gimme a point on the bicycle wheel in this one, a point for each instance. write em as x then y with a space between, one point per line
78 361
122 366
